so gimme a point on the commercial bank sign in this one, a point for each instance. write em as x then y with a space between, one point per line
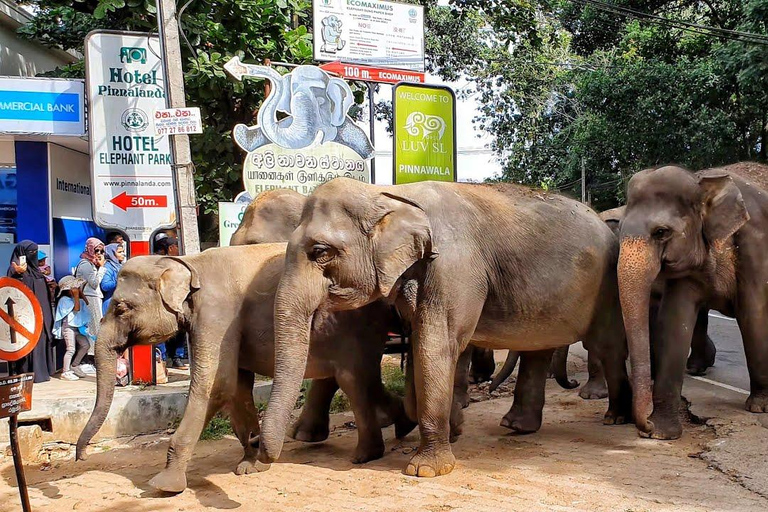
44 106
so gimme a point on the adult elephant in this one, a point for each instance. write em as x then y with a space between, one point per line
229 316
460 262
703 234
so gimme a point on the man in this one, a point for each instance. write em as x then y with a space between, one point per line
176 346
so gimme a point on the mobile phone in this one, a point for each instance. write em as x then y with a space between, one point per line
22 260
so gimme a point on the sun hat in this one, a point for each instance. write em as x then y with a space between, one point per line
41 255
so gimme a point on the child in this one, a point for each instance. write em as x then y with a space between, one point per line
71 314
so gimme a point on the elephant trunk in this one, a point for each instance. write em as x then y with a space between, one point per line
105 352
506 370
638 267
296 303
297 131
559 368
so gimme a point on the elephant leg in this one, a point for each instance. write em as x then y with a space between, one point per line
753 323
460 393
312 425
361 387
205 392
677 319
483 365
409 401
524 417
703 350
595 388
245 421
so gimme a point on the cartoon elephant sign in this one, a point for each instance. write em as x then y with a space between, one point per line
314 103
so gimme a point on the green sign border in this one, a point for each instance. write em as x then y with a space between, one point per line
394 131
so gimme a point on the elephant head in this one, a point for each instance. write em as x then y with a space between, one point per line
147 307
675 220
353 244
271 217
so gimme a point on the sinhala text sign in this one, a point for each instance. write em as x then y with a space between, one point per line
130 166
369 32
425 133
312 141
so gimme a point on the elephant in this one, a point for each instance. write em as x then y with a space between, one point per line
459 262
702 234
557 369
315 103
331 33
227 308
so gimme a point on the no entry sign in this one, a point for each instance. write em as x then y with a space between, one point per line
21 319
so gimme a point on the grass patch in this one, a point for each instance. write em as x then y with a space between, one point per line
217 428
340 403
394 379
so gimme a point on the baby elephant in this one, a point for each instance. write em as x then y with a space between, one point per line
225 299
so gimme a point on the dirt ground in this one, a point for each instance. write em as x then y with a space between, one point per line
572 463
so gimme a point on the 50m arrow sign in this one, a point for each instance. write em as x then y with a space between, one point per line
124 201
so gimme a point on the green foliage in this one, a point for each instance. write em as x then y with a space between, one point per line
340 403
393 378
217 428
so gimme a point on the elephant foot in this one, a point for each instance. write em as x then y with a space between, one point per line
757 401
404 426
461 397
170 480
700 360
431 462
521 422
618 417
594 390
250 465
309 432
666 427
368 452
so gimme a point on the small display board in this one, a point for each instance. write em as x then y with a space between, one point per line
170 121
373 74
424 133
16 394
21 319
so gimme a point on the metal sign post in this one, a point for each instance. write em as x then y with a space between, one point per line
20 326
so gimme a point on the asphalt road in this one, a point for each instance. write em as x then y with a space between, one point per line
730 364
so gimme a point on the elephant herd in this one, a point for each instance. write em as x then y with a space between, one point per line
462 269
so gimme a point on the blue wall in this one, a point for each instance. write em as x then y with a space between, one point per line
69 238
32 212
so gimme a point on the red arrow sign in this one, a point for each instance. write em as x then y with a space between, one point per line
373 74
124 201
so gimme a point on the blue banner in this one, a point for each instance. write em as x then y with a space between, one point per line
40 106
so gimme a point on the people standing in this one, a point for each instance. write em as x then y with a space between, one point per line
176 347
91 268
71 314
115 256
24 267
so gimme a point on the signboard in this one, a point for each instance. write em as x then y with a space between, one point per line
369 32
171 121
230 217
16 394
372 74
21 319
312 142
424 133
42 105
130 166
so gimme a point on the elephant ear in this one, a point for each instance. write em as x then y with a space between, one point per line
401 237
723 209
285 91
177 282
341 98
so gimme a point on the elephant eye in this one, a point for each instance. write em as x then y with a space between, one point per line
661 233
322 253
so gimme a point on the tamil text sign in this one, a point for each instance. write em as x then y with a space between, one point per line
131 167
424 133
369 32
37 105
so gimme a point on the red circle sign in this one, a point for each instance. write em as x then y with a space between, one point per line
21 319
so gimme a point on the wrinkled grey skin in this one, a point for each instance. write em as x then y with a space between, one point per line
226 306
557 369
426 248
271 217
703 235
315 103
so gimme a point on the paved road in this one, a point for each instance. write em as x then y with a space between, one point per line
730 365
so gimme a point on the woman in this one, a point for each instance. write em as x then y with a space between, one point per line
71 314
91 268
115 254
24 267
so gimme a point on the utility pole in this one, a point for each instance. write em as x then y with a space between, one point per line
168 29
372 128
583 182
